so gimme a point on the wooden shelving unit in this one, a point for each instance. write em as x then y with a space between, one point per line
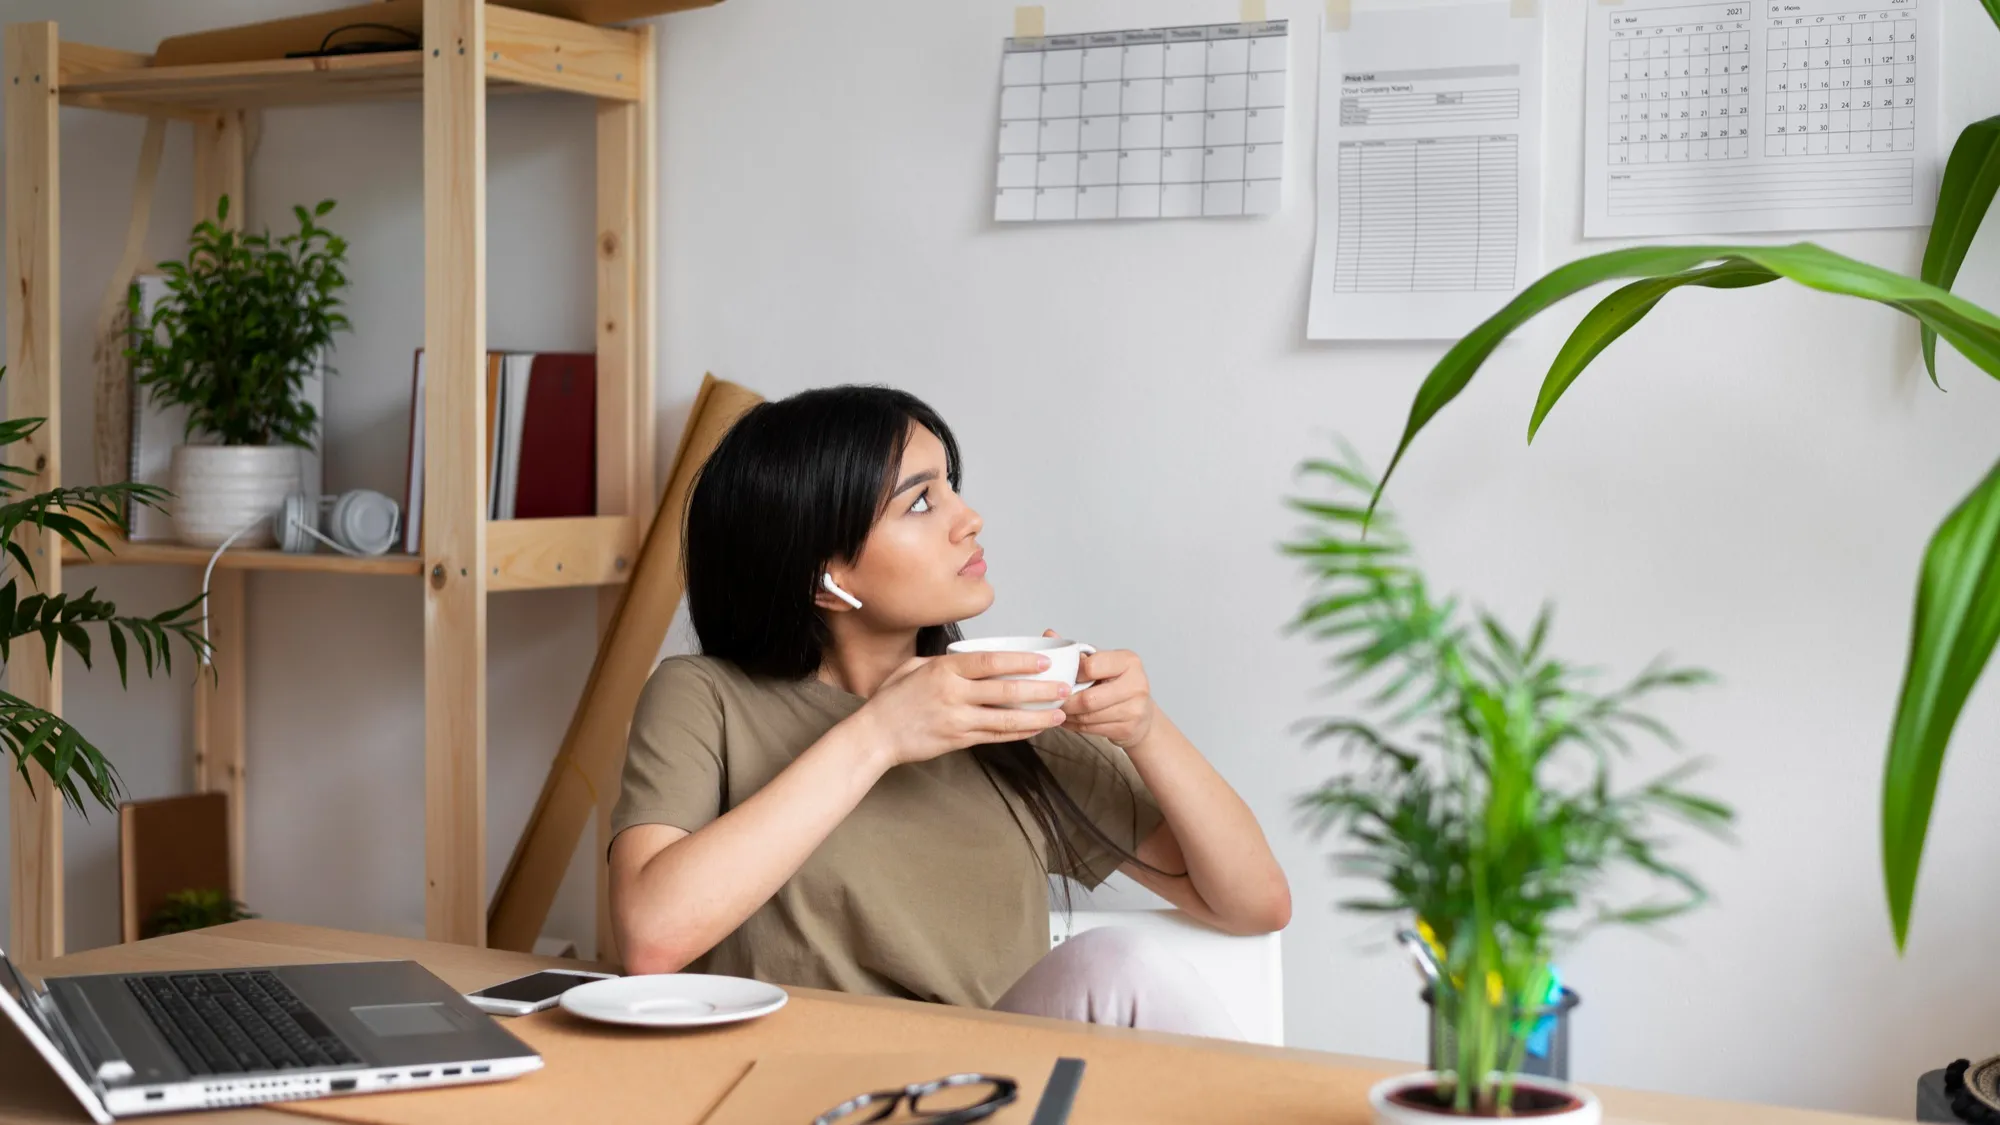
469 49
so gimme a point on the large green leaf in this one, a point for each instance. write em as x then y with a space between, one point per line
1958 612
1967 327
1622 310
1970 179
1956 625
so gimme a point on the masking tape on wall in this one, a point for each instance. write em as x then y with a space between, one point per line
1028 22
1523 9
1250 11
1339 13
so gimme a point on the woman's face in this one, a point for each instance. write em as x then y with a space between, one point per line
921 564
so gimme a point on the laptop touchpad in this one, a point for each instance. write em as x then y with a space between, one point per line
390 1020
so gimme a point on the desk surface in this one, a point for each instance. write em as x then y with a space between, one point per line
1133 1076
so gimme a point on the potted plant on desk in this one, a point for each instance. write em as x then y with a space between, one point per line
245 321
1483 804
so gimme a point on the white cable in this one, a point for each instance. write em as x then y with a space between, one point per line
209 570
348 551
238 534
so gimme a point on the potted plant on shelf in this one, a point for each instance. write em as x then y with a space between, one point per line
245 321
51 622
1482 802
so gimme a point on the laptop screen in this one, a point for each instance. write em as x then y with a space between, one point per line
20 1005
17 991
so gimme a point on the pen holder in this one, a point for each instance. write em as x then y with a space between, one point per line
1552 1061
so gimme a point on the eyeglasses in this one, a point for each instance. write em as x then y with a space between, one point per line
957 1108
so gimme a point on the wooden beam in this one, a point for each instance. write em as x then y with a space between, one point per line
583 775
617 308
75 60
625 280
220 693
148 552
645 282
618 421
454 451
271 39
558 54
28 60
221 758
219 157
219 84
543 554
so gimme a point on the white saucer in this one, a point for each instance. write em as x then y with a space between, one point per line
674 1000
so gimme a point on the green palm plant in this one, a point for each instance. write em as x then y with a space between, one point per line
1483 801
195 910
29 733
1957 614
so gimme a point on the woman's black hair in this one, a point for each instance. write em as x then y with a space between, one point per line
794 485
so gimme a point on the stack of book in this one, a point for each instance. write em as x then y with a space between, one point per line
541 439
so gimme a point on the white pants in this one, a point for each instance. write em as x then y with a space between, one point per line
1123 977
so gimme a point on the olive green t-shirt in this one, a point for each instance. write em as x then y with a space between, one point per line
930 889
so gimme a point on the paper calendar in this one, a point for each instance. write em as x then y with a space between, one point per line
1771 115
1144 124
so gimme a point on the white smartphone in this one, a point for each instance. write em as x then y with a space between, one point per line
530 993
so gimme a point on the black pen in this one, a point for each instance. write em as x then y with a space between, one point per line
1059 1093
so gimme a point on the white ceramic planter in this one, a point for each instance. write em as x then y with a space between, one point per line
1586 1111
221 489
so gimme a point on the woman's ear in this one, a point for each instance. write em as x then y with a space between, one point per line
834 597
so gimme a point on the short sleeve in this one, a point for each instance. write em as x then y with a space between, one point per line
1102 781
674 753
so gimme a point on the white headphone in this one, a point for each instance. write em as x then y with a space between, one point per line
359 523
833 588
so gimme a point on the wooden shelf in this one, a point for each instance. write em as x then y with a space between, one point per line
146 552
520 554
219 80
524 51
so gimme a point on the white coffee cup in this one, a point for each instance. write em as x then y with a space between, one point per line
1064 657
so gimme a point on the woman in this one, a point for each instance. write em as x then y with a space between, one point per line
825 798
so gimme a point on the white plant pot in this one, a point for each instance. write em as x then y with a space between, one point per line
222 489
1584 1111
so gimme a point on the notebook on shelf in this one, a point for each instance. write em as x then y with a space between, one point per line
541 438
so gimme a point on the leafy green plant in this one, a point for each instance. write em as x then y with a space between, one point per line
29 733
194 910
246 319
1957 615
1483 801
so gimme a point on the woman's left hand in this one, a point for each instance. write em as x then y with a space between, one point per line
1119 703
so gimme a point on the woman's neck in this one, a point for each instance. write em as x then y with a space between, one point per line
859 664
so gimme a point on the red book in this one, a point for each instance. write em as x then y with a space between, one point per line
558 475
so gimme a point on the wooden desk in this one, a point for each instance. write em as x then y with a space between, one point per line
1134 1076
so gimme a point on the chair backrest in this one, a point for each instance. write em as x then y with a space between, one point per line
1246 972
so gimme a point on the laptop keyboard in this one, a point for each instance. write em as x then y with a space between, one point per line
229 1023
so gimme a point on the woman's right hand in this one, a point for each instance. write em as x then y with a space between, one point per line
933 705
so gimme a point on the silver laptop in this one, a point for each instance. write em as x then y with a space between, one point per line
131 1043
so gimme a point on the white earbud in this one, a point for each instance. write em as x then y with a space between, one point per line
833 588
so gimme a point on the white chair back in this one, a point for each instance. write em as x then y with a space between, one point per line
1246 972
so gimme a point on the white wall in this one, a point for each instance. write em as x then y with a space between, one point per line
1746 482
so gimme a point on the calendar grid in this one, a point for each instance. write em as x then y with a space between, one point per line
1679 88
1157 123
1841 83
